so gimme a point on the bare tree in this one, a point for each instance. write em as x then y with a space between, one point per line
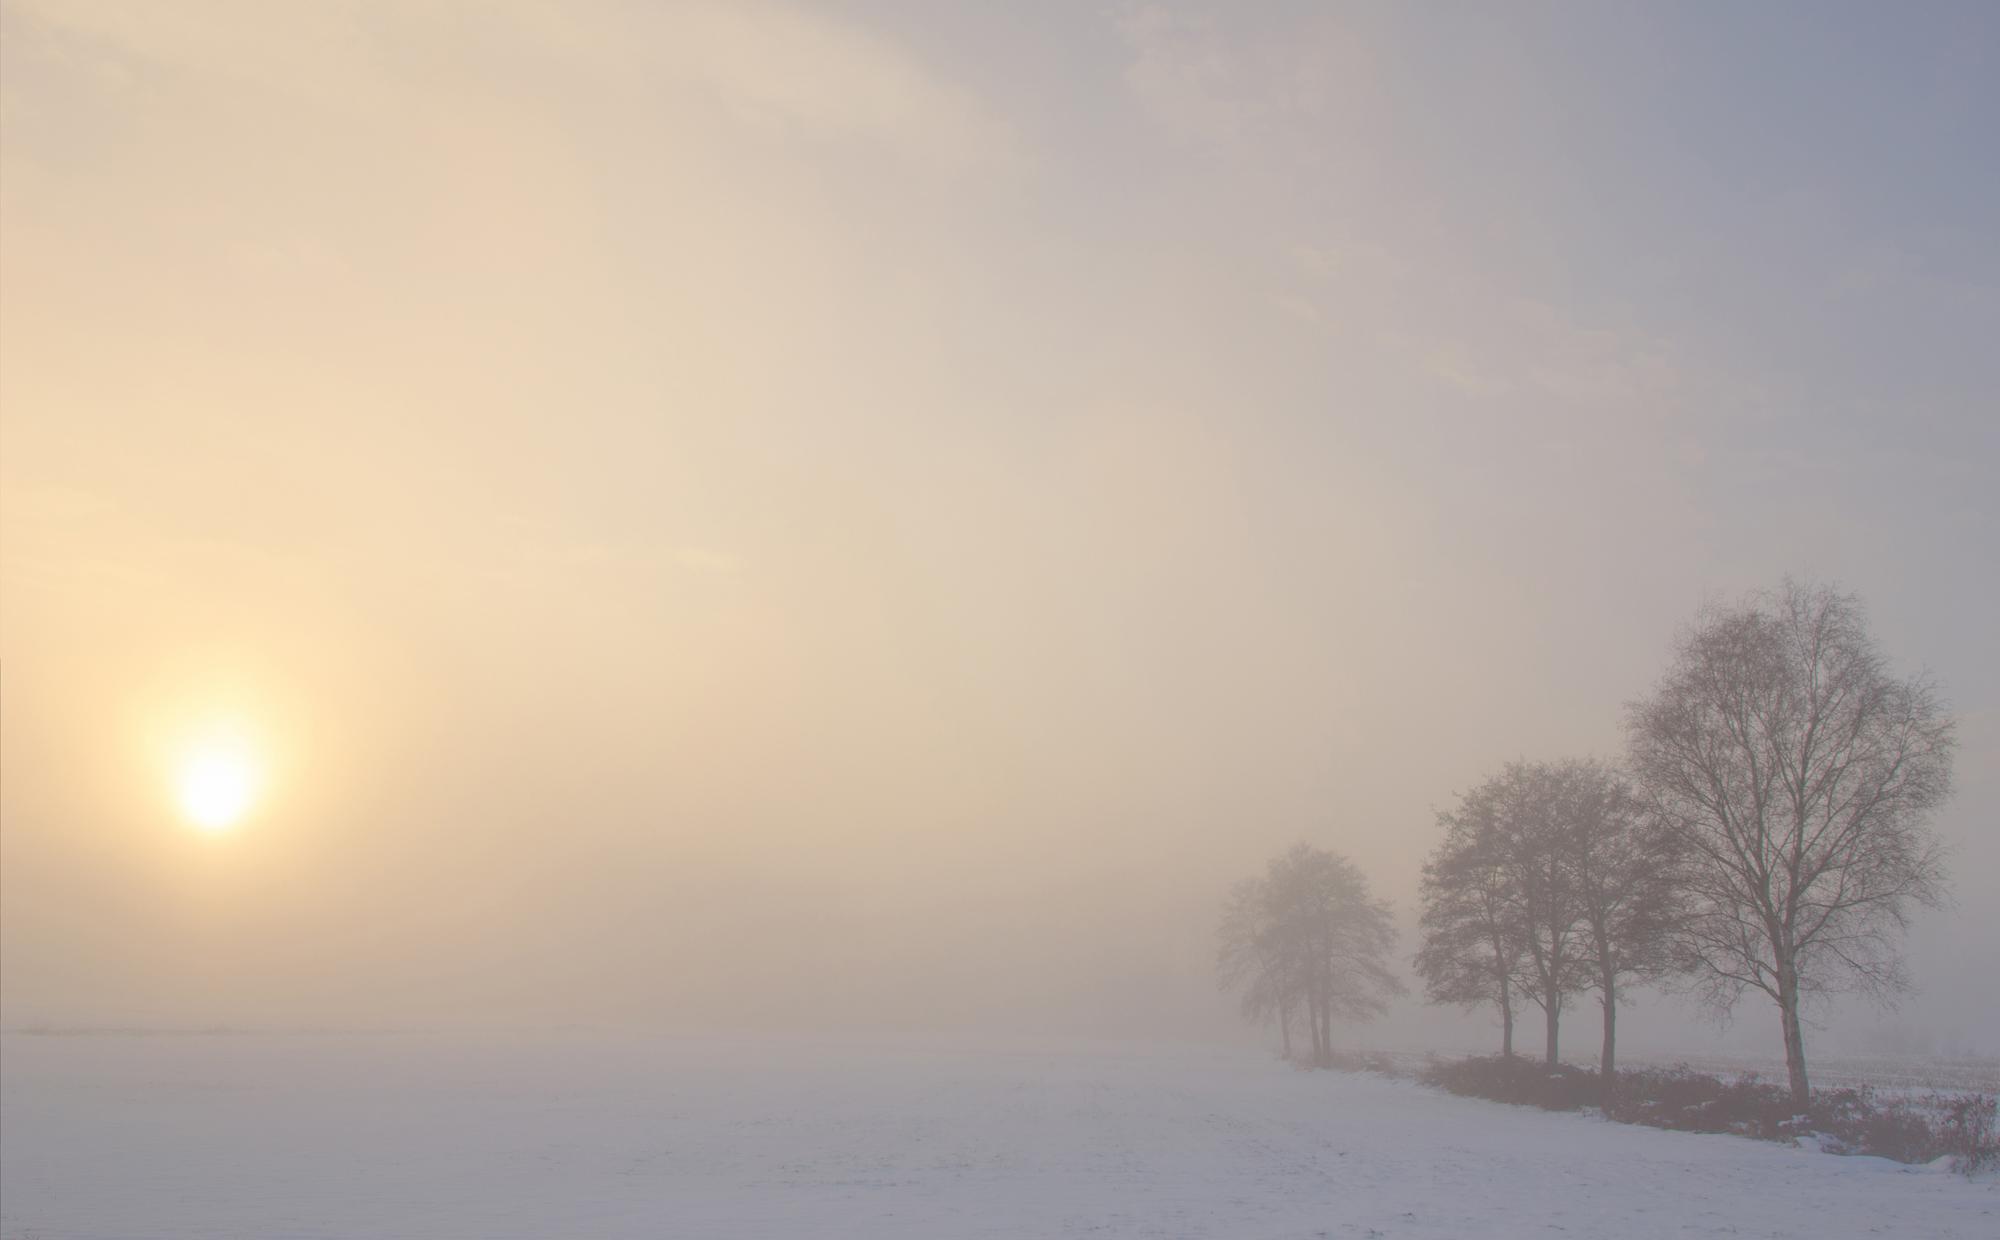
1549 881
1530 845
1797 776
1250 956
1307 937
1470 951
1623 872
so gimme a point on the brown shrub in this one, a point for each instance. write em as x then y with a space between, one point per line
1908 1129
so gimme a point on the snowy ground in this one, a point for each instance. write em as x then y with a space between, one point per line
420 1136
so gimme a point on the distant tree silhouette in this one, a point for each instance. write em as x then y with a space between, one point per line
1471 946
1547 883
1306 941
1528 841
1624 873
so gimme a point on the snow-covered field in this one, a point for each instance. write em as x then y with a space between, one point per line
485 1137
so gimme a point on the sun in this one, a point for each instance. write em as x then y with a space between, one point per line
218 785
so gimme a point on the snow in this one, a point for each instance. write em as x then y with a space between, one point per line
493 1136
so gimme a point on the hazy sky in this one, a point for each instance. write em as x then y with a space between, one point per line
755 513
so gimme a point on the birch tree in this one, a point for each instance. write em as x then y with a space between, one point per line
1797 775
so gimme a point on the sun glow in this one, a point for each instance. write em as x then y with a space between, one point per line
218 785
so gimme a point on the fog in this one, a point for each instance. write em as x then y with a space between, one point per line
852 516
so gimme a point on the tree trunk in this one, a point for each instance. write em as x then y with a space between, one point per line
1506 1021
1285 1027
1553 1014
1607 1064
1795 1037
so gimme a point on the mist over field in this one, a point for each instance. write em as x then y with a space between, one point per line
869 519
718 541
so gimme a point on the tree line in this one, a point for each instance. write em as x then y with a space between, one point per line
1767 831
